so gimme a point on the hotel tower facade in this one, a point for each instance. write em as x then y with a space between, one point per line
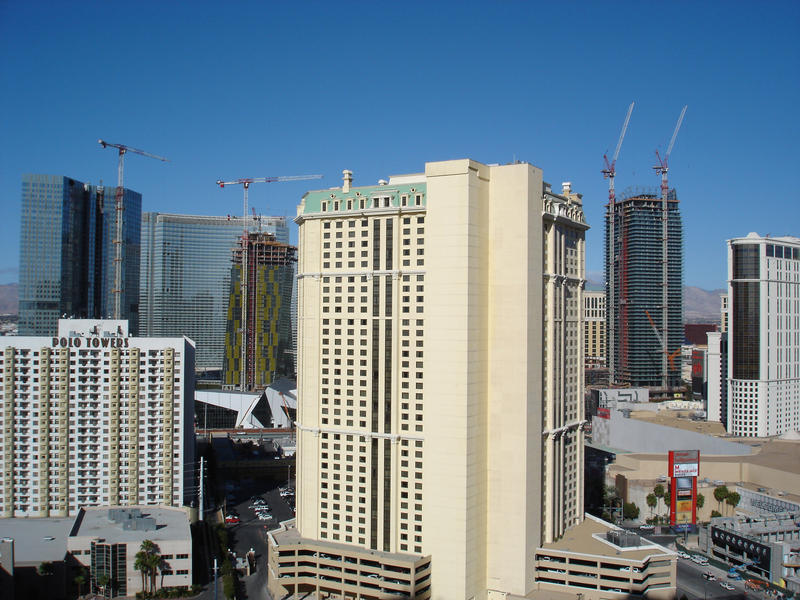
94 417
440 384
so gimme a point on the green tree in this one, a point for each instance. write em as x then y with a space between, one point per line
668 499
658 492
720 493
229 586
153 562
733 500
715 513
45 568
630 511
148 561
140 564
701 500
79 580
103 581
651 501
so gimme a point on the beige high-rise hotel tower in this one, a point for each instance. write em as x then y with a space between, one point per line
440 383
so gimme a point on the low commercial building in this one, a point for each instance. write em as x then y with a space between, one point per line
767 480
604 561
106 540
33 561
320 566
767 547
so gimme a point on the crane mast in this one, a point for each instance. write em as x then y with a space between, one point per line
119 207
662 168
609 172
245 366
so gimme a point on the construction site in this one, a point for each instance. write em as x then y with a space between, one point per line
258 336
644 280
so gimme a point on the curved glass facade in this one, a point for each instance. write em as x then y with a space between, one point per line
186 274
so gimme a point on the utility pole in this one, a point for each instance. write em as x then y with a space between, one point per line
202 506
215 579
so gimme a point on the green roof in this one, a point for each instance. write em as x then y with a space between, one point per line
312 201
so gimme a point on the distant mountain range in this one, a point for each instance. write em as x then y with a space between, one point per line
9 299
699 305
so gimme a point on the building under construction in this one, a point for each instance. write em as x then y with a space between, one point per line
644 297
258 335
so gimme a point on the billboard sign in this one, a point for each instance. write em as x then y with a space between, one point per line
684 469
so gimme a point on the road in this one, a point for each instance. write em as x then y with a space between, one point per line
251 533
692 583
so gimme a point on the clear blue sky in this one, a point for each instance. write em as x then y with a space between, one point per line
255 89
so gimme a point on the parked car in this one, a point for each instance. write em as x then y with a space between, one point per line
232 519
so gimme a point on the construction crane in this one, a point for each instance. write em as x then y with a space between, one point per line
245 182
665 350
662 168
117 291
609 173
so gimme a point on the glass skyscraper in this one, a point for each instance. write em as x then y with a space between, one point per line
186 277
67 253
636 298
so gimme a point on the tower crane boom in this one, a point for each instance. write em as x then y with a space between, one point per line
245 182
122 150
662 168
610 173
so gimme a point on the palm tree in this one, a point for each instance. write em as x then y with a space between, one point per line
148 561
140 564
733 500
720 493
103 581
79 580
651 502
153 561
658 491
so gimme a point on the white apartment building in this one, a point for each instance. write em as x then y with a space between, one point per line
440 384
764 335
95 417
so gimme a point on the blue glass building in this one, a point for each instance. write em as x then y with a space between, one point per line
186 277
636 298
67 253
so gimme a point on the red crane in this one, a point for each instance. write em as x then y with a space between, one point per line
247 341
117 291
609 173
